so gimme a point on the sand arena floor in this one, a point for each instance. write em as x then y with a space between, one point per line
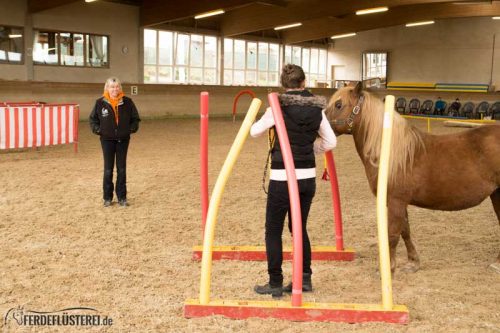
60 248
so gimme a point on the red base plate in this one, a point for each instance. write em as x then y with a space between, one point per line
258 253
326 312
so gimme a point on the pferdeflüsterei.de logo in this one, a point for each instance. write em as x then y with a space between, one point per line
77 316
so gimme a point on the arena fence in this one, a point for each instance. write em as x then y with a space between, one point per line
24 125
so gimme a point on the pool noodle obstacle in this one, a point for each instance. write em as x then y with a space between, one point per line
296 310
258 253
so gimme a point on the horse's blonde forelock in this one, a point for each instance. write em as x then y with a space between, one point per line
406 140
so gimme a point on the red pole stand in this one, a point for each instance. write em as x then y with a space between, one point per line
293 193
204 158
337 213
258 252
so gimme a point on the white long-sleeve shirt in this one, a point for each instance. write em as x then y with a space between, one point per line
326 141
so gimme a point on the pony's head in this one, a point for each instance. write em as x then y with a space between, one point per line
344 107
354 111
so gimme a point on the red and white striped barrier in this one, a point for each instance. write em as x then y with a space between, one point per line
24 126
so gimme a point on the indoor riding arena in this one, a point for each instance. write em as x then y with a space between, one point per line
72 264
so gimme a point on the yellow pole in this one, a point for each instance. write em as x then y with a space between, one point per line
383 172
428 125
213 207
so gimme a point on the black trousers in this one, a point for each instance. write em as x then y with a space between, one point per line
278 206
111 150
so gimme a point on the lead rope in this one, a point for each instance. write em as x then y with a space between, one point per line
270 138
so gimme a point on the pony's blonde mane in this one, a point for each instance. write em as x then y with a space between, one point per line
406 139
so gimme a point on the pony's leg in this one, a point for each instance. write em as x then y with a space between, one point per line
396 215
495 200
413 264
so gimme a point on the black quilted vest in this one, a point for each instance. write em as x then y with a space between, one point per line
302 115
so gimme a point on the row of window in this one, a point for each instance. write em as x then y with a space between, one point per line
175 57
182 58
70 49
55 48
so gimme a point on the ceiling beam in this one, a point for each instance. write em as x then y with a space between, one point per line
327 27
155 12
279 3
35 6
259 17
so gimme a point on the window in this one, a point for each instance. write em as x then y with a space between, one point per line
251 63
175 57
312 60
11 45
97 51
374 66
70 49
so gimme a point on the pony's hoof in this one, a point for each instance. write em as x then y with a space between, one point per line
495 267
410 267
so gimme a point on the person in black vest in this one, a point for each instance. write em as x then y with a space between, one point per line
114 117
304 121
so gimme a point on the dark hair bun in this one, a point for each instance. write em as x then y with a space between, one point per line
292 76
288 69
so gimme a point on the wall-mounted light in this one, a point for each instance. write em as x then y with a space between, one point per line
416 24
496 17
15 36
343 35
90 0
372 10
288 26
207 14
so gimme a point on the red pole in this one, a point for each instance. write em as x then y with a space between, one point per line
76 118
235 101
337 213
293 191
204 157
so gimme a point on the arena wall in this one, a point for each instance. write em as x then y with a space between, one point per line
452 51
120 22
153 101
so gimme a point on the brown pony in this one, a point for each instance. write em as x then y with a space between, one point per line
472 158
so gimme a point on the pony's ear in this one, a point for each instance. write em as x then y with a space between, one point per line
358 88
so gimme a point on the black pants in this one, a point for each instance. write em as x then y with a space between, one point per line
278 205
112 149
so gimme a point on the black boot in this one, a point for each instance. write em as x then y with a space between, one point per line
267 289
306 284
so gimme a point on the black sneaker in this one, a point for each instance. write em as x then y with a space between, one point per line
123 202
266 289
306 287
107 203
306 284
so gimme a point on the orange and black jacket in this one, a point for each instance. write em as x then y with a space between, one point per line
103 120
